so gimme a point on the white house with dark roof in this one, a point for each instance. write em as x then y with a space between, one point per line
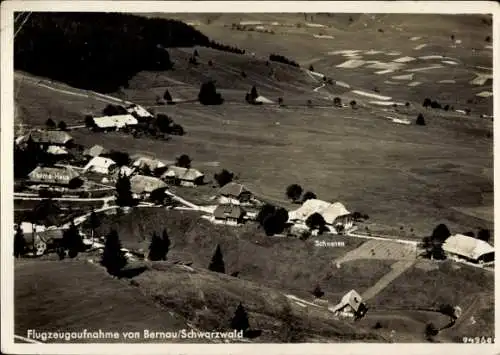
116 122
234 193
100 165
350 306
229 214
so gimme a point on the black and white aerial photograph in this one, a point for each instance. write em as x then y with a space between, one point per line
238 177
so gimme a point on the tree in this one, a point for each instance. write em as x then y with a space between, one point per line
158 196
89 121
427 102
123 191
440 233
253 94
19 243
240 319
470 234
317 292
309 103
62 126
166 96
430 331
311 68
280 101
448 309
446 107
452 37
243 74
353 103
224 177
120 158
184 161
156 252
195 53
163 122
208 94
488 39
50 123
337 102
72 241
484 235
316 221
293 192
420 120
94 222
265 211
113 258
217 262
210 63
407 104
435 104
308 196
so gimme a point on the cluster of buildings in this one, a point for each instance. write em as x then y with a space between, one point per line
461 247
126 117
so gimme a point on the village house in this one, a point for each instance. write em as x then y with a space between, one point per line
176 175
141 162
141 185
351 306
57 150
336 216
95 151
100 165
462 247
114 123
234 193
47 138
58 176
229 214
139 112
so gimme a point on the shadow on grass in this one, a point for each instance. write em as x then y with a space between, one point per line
131 273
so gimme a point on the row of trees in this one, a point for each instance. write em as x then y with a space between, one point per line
283 59
294 193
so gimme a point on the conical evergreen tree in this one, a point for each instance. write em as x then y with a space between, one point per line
217 263
113 258
156 248
72 241
240 319
253 93
124 194
19 243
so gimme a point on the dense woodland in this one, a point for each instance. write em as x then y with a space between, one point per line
100 51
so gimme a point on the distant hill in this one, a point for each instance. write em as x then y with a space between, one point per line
100 51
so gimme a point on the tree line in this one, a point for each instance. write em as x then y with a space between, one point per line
100 51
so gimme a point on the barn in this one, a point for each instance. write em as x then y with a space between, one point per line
351 306
185 177
229 214
462 247
234 193
142 186
62 176
112 123
334 214
100 165
48 138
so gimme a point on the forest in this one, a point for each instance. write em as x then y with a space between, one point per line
100 51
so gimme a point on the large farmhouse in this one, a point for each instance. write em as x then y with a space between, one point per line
95 151
62 176
233 193
112 123
462 247
176 175
334 214
100 165
229 214
47 138
141 162
142 186
351 306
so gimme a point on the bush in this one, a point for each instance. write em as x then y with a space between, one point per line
62 126
282 59
317 292
208 94
435 104
484 235
446 107
224 177
50 123
316 221
337 102
353 104
420 120
177 130
407 104
184 161
311 68
89 121
427 102
308 196
294 192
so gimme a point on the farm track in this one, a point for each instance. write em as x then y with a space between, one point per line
397 269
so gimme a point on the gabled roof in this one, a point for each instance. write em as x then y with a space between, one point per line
59 175
139 111
142 183
466 246
56 150
329 211
232 189
48 137
99 163
182 173
229 211
352 299
118 121
153 164
95 151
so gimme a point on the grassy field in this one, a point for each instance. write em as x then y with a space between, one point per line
72 296
285 263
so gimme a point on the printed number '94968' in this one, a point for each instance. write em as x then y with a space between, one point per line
478 340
